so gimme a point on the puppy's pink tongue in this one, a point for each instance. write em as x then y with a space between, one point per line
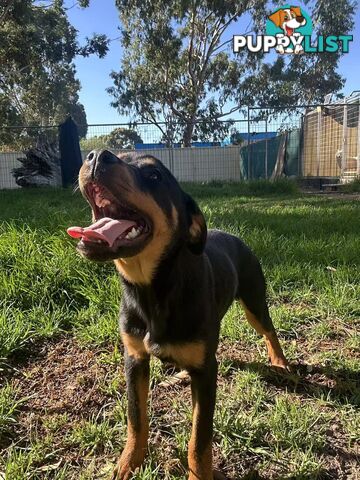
105 229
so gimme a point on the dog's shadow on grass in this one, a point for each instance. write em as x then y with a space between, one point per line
339 385
254 475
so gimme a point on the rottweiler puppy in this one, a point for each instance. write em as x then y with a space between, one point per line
178 282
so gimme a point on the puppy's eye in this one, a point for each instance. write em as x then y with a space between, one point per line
154 175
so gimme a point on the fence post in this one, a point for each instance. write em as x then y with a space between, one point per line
301 146
248 139
318 142
358 145
171 158
345 141
266 146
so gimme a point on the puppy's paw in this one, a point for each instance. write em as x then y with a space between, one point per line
128 464
123 472
281 365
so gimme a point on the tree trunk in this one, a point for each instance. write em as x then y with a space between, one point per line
188 133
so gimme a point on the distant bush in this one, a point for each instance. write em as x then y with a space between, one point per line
117 139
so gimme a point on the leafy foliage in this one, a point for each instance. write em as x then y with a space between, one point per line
117 139
178 64
38 84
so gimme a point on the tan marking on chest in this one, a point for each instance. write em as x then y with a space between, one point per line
186 355
134 346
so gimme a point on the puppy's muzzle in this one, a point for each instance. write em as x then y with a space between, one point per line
99 160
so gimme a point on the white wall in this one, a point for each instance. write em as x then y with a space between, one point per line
201 164
8 161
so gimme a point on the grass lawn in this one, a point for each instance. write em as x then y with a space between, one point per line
62 387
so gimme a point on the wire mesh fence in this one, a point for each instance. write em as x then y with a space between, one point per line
275 143
306 141
141 136
332 136
301 141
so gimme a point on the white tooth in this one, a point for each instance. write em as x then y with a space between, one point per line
102 202
133 233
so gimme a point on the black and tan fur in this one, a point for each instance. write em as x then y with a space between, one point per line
177 285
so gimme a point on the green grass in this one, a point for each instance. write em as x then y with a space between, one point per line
9 406
266 425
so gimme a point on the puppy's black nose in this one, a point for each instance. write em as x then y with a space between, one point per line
101 157
300 18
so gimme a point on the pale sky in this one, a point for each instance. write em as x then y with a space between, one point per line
93 73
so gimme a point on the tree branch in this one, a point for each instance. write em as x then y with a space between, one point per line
230 40
232 110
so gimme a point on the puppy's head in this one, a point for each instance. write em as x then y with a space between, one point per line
288 19
139 210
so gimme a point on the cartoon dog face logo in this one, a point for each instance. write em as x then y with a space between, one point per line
288 19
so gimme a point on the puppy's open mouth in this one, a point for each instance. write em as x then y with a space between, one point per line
116 224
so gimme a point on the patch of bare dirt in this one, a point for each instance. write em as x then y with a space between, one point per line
67 381
66 378
63 377
61 386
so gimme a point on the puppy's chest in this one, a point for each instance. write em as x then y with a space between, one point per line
184 354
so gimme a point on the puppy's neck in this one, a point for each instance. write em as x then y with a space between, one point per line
136 270
140 271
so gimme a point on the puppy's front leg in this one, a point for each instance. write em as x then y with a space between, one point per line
137 380
203 389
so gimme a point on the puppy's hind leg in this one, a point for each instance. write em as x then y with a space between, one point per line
252 295
262 323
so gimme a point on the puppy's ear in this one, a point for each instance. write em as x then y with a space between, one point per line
297 11
196 225
277 18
